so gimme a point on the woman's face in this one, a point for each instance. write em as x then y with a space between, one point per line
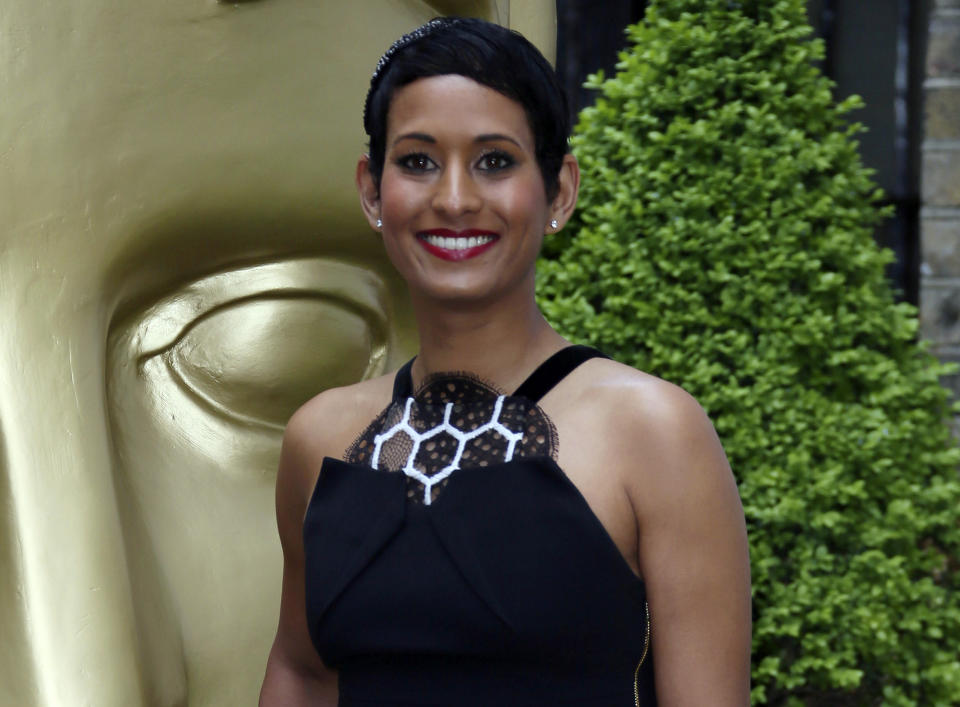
462 199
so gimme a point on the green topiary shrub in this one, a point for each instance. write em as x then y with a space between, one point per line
724 242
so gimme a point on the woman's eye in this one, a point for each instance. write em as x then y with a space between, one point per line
494 161
417 162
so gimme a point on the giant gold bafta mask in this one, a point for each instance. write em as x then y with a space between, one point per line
182 263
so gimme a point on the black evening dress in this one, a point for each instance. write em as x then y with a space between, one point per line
450 561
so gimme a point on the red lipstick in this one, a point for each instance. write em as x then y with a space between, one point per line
457 245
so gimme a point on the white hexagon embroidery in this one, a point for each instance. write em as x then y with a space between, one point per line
461 437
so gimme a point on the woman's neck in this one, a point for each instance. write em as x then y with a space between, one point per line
499 344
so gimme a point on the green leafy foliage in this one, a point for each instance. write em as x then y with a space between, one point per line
724 242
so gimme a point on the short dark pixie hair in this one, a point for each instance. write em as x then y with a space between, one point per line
489 54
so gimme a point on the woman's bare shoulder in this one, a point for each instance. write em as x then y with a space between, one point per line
328 423
620 391
655 424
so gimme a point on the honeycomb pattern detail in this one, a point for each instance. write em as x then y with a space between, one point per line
462 437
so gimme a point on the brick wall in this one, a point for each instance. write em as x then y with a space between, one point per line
940 213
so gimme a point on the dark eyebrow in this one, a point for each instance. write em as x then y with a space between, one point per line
486 137
422 137
494 137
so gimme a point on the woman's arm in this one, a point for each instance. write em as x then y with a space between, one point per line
693 552
295 675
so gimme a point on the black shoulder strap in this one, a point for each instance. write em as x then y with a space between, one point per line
403 382
537 384
554 370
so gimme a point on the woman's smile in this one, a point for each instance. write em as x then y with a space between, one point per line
457 245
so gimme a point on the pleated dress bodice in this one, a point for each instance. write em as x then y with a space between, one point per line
482 577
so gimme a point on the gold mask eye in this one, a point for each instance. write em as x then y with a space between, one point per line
260 359
251 345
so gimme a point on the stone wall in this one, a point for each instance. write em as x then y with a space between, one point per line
940 212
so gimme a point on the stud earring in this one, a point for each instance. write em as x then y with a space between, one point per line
379 223
554 223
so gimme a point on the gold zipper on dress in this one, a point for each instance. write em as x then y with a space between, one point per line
646 649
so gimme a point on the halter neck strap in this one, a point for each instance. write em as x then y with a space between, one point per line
403 382
554 370
537 384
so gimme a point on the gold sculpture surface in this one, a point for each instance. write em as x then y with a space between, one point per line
182 263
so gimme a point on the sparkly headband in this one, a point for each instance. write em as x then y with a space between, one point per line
406 40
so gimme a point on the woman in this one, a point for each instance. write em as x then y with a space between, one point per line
472 547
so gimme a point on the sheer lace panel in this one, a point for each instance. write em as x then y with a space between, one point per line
452 422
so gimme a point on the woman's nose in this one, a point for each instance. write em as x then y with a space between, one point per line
456 192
